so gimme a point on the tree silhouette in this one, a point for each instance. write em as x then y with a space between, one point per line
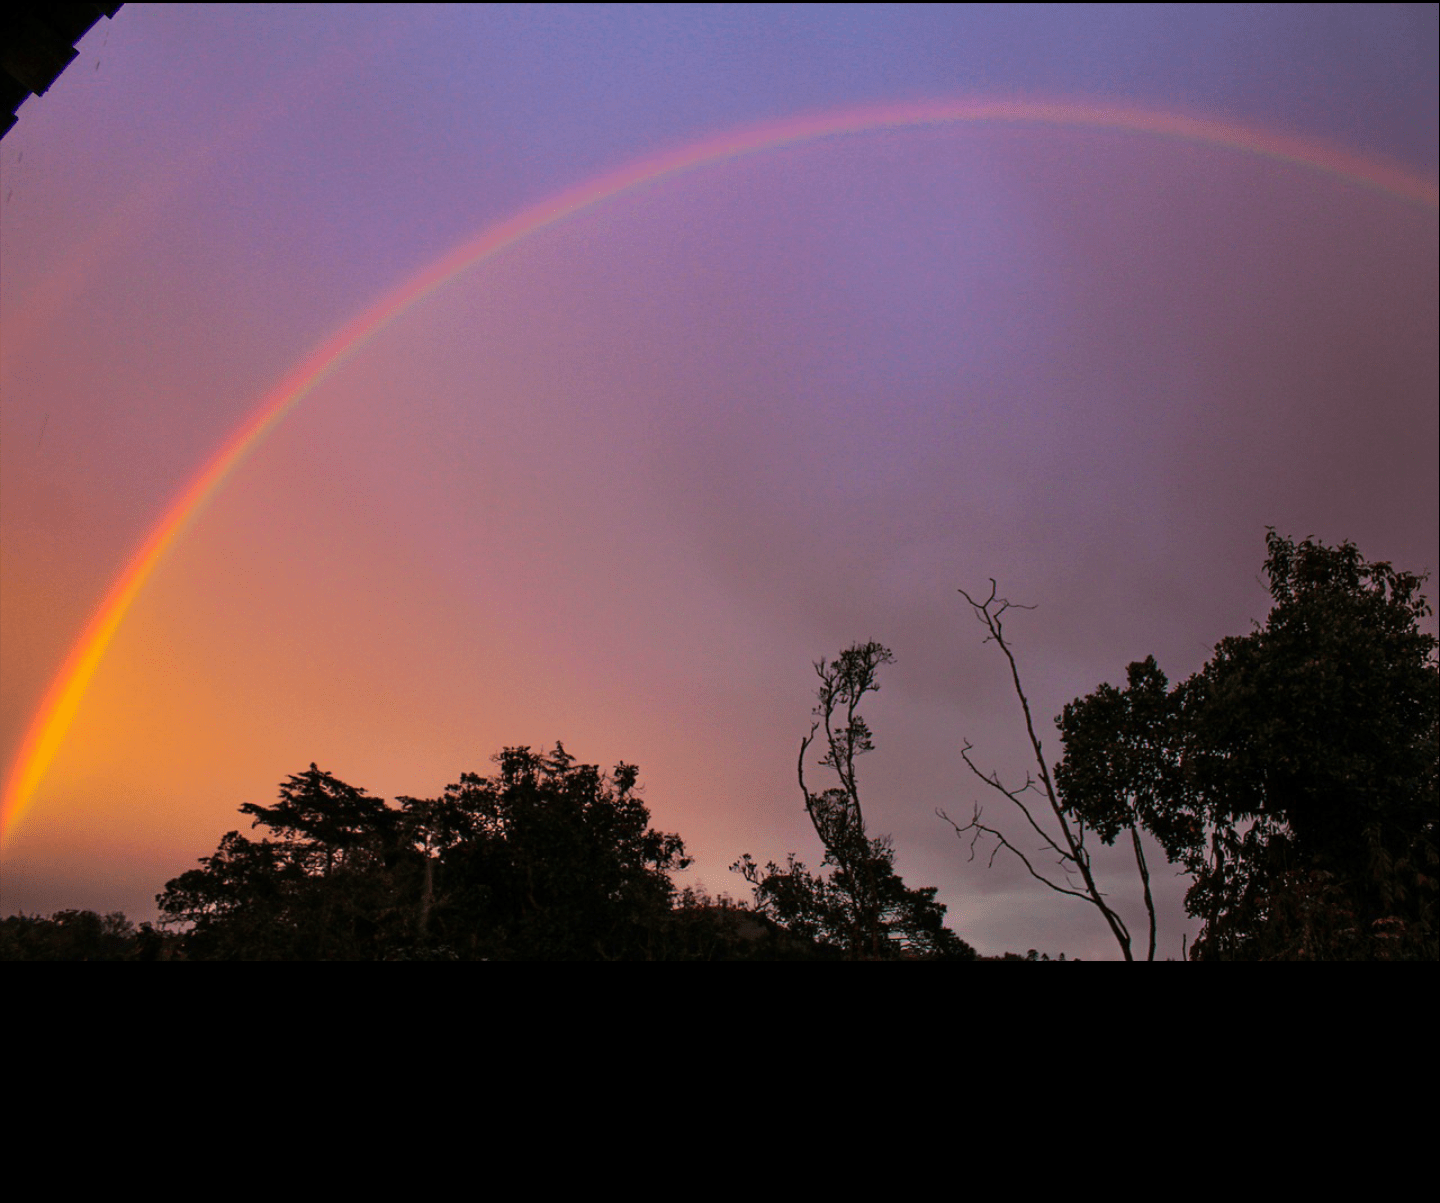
320 891
1295 776
556 861
860 905
545 859
73 936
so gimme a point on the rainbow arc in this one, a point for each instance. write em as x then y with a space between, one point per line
63 698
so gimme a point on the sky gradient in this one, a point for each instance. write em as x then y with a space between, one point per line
623 481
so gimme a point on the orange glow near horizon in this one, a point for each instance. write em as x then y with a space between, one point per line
51 723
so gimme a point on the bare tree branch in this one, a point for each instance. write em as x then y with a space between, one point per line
1001 842
1014 796
989 613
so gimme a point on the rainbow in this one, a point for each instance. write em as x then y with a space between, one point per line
63 698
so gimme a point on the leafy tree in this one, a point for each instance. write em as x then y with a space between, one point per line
325 825
321 891
1295 776
546 859
556 861
861 905
835 813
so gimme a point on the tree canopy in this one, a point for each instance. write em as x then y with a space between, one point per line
1294 776
556 860
546 858
75 936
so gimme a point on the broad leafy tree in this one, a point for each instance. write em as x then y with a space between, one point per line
555 860
320 890
544 859
1295 776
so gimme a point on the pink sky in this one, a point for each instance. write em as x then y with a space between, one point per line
621 485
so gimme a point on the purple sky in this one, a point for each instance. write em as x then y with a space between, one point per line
623 484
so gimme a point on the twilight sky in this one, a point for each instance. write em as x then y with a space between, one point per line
622 482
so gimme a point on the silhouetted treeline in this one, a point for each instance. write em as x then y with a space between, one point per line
83 936
1295 779
545 859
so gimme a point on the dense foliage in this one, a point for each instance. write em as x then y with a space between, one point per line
1295 776
78 936
545 859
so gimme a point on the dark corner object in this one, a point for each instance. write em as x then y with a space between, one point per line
37 43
